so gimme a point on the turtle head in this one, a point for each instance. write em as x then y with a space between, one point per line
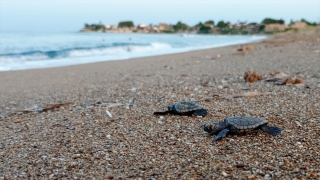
171 107
211 127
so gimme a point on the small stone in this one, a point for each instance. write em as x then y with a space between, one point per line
224 174
240 165
298 123
267 176
258 171
76 156
224 81
17 121
229 168
251 177
70 127
308 175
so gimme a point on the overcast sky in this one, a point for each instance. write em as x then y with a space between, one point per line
70 16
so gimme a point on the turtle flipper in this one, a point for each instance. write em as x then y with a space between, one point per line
221 134
273 130
161 113
200 112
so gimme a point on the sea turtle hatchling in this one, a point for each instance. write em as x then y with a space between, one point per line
236 125
185 108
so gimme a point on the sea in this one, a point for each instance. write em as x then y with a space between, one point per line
19 51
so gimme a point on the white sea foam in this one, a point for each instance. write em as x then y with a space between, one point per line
118 50
4 69
188 35
35 57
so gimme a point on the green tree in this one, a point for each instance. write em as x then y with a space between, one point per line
272 21
126 24
222 24
95 26
180 26
309 23
200 24
204 30
99 27
281 21
261 27
209 22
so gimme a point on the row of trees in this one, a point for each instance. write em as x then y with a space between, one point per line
222 27
272 21
100 26
308 23
94 26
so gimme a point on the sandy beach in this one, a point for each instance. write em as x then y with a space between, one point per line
79 140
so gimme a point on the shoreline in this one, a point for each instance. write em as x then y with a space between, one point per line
84 141
48 63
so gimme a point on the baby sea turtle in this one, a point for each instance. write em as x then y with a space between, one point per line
185 108
236 125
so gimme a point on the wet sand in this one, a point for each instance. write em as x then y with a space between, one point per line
81 141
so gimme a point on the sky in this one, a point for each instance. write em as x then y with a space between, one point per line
71 15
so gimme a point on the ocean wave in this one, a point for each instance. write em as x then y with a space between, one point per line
113 49
33 51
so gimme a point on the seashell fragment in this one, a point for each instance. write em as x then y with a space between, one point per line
109 113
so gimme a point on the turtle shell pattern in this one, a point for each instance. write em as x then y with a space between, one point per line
186 106
245 123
